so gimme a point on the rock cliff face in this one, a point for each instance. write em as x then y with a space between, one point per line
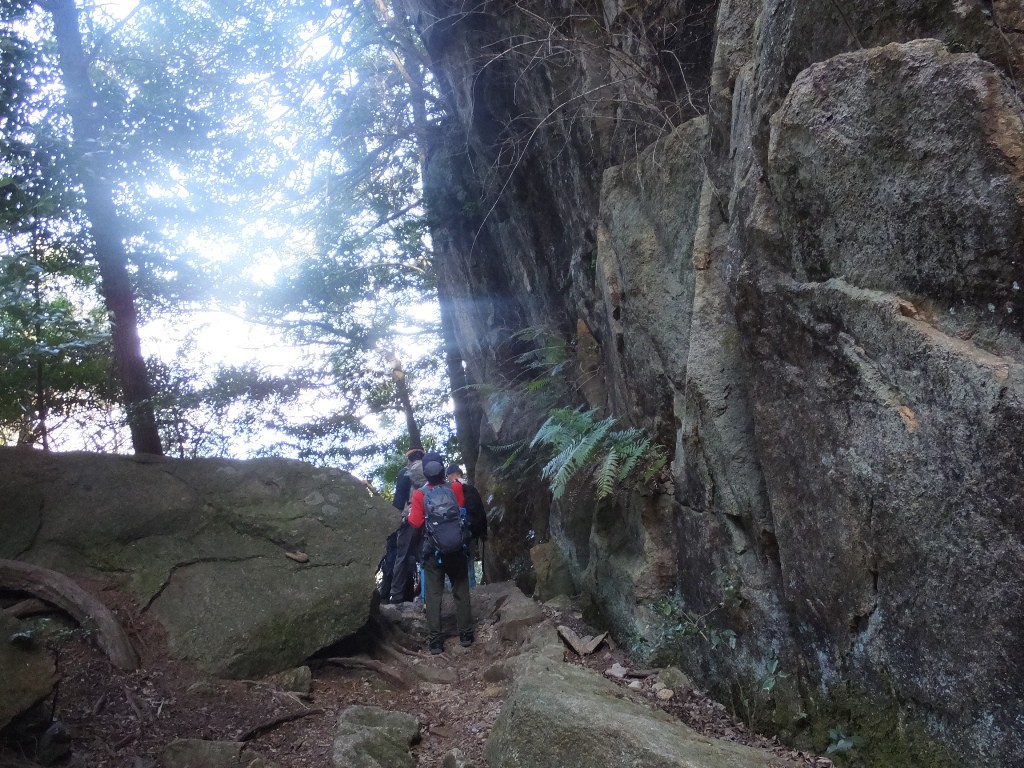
785 237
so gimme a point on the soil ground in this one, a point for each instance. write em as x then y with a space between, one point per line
116 719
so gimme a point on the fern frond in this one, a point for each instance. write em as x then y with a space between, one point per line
582 447
563 427
656 465
607 473
559 460
514 450
581 457
507 447
631 451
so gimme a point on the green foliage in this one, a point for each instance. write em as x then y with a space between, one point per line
771 676
233 135
546 359
841 742
732 591
679 623
54 352
862 729
756 697
590 450
229 411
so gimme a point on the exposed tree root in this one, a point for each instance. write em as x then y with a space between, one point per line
63 592
375 666
256 730
28 607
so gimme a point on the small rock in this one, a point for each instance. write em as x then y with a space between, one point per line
23 639
665 694
675 678
54 744
636 685
456 759
617 671
298 680
559 602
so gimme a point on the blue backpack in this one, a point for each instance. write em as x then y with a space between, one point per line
443 520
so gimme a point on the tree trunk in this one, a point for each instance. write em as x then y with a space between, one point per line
110 252
466 409
402 391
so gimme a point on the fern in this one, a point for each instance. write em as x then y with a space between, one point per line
632 447
583 455
545 362
514 451
584 447
607 474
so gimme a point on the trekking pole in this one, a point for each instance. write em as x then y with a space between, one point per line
423 586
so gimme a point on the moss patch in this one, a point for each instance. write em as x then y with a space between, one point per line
886 737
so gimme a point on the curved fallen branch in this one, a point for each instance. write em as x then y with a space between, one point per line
63 592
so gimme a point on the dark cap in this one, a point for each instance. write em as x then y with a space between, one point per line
433 466
453 469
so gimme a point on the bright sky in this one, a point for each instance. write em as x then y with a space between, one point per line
117 8
205 340
220 338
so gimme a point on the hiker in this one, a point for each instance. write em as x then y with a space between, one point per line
476 519
397 585
436 511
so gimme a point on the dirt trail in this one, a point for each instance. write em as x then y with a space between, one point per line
117 719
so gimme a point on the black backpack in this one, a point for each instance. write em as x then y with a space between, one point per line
442 520
476 515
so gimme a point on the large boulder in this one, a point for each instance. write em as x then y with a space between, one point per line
29 670
566 715
250 565
370 737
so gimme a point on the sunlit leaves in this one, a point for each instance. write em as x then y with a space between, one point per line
54 351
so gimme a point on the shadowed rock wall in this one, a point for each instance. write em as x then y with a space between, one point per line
789 243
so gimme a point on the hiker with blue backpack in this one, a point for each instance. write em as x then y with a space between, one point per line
437 511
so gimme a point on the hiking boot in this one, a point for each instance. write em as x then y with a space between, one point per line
465 639
437 647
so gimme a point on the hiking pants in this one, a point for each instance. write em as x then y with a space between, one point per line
455 568
387 566
405 562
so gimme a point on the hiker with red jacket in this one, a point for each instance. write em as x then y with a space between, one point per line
437 513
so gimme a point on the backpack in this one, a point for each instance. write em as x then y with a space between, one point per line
476 515
442 520
415 472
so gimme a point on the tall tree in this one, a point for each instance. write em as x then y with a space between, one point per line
54 339
110 252
367 291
